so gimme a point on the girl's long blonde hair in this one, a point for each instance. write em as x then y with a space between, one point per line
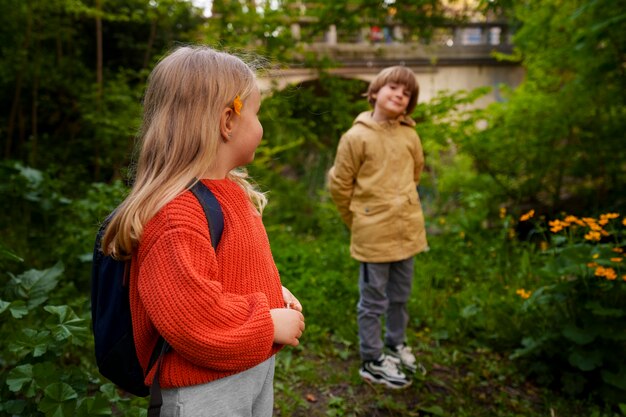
186 94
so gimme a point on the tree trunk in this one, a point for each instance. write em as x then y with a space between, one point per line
153 31
99 81
15 106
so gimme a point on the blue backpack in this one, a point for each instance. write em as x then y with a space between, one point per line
110 312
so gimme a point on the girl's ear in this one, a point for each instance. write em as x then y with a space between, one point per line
227 123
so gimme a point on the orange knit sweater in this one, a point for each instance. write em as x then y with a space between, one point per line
213 309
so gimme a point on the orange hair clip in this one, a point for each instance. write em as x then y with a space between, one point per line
237 104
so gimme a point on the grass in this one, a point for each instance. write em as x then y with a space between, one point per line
462 328
459 381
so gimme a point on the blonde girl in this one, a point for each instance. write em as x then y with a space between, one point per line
224 312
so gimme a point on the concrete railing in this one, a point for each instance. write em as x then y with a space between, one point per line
469 44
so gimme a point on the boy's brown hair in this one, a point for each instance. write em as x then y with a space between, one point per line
398 75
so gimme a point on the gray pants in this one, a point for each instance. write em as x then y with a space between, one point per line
247 394
385 289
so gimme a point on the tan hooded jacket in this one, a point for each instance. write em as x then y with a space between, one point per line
374 185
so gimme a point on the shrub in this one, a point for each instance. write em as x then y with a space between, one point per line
575 328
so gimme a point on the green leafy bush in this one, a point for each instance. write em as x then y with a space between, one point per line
575 332
47 362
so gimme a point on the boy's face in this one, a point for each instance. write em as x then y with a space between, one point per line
391 101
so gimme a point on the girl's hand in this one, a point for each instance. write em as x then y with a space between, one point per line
291 301
288 326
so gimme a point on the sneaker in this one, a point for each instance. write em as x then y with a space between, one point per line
384 371
403 354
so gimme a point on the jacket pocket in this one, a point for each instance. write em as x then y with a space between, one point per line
368 209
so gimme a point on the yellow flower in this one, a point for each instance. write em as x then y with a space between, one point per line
608 273
616 259
237 104
527 216
596 256
502 212
573 219
556 225
592 236
544 245
523 293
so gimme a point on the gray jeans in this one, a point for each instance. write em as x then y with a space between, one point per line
247 394
385 289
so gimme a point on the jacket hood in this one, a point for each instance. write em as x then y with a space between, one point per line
366 119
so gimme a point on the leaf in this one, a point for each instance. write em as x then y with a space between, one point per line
617 380
45 373
578 335
14 407
434 410
95 406
34 285
596 308
69 325
30 341
19 376
585 360
4 305
470 311
18 309
59 400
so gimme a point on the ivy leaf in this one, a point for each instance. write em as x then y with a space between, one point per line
59 400
18 377
68 326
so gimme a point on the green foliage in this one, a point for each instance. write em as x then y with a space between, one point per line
574 319
43 337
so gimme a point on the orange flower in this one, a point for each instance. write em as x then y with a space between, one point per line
618 250
557 225
616 259
608 273
523 293
592 236
527 216
237 104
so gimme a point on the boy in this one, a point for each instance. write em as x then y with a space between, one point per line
373 183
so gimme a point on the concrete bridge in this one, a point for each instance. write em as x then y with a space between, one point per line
457 58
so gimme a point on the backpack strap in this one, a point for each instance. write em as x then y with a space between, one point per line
215 218
212 211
